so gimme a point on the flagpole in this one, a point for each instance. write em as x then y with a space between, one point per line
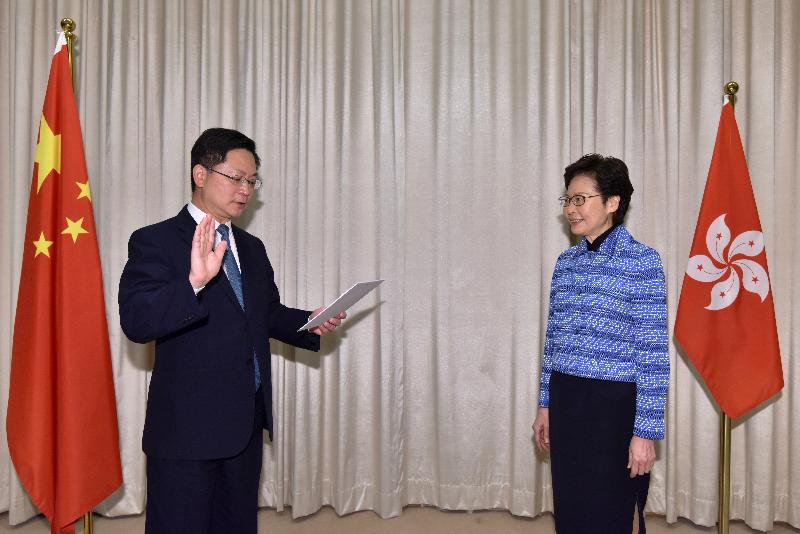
724 473
68 25
731 88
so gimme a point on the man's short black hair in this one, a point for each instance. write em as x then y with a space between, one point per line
213 146
611 176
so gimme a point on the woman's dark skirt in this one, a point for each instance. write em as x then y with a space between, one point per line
591 425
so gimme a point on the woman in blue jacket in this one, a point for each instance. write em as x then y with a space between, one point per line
605 368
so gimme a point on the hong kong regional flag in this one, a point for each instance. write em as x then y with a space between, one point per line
726 319
62 419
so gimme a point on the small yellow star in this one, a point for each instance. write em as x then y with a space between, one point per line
74 228
42 246
85 191
48 152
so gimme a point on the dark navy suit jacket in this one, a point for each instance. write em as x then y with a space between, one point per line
200 405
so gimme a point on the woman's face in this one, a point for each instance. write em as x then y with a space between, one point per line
593 217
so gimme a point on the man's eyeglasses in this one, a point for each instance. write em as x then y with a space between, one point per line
239 180
578 200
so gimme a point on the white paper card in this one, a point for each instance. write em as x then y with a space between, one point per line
345 300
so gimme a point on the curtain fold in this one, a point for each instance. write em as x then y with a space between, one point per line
424 143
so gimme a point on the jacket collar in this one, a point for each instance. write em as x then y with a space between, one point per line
618 236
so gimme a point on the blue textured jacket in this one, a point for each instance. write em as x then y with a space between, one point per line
608 320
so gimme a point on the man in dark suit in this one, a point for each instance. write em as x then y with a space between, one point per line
204 291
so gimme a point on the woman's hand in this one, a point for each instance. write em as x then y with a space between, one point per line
541 429
641 456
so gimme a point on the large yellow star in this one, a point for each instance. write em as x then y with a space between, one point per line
74 228
85 191
48 152
42 246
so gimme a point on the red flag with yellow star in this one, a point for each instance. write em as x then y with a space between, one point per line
62 417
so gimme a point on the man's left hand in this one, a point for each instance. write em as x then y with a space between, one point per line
328 326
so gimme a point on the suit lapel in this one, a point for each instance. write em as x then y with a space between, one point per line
186 226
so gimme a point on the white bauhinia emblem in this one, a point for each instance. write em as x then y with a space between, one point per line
703 269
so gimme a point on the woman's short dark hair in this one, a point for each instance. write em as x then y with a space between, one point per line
213 145
611 176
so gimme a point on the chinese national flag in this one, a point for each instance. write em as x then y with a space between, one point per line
726 319
62 419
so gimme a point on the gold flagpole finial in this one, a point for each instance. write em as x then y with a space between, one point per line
68 25
731 88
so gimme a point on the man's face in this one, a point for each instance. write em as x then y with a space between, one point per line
218 195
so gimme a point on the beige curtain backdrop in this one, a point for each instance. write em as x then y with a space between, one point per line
423 142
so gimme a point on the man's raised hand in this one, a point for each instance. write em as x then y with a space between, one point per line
205 259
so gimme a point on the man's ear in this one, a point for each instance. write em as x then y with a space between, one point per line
199 174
